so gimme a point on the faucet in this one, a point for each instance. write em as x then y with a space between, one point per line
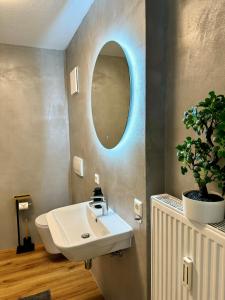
97 199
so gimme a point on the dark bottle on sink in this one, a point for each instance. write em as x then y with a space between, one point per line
97 194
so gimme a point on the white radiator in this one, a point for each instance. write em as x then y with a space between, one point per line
175 237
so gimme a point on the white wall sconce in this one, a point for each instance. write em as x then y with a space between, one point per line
74 81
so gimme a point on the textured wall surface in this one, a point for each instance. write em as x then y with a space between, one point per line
34 137
122 169
156 25
195 65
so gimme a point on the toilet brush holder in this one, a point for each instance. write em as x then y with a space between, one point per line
26 247
23 202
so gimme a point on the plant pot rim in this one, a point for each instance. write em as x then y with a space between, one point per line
210 192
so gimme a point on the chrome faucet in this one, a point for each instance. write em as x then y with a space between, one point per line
96 200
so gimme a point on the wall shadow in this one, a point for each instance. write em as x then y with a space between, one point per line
160 50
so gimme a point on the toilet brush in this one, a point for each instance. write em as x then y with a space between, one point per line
27 242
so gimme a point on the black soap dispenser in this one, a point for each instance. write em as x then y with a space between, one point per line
97 194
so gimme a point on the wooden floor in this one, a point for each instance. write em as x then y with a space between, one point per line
27 274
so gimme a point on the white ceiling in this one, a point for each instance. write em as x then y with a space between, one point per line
41 23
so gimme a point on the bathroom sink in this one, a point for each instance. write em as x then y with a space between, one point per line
81 232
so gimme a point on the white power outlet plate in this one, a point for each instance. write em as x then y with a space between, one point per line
138 207
97 178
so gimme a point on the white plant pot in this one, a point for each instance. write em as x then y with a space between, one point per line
203 212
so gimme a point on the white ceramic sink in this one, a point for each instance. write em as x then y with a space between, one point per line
108 233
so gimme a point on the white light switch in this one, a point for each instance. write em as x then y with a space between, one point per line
74 82
138 207
78 166
97 178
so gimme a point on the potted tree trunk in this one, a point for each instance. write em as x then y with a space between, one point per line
204 156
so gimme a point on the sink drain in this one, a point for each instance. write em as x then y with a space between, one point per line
85 235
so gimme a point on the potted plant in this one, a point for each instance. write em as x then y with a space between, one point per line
204 156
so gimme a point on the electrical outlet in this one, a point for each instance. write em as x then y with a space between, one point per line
97 178
138 207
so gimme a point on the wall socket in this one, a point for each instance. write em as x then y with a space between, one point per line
138 207
97 178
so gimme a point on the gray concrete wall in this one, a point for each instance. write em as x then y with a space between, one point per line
195 66
156 22
34 136
122 169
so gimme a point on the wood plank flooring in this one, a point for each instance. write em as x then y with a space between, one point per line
30 273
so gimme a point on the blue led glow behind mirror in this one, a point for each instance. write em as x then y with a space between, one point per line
134 132
110 97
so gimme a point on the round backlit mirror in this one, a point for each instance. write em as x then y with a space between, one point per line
110 94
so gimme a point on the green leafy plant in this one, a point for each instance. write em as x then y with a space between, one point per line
204 155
